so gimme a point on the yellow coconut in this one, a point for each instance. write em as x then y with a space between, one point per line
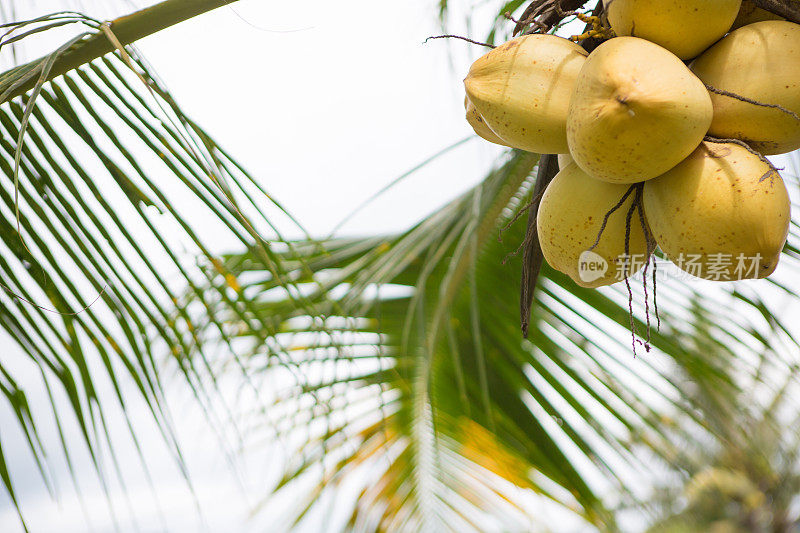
749 13
564 160
636 112
569 220
522 90
479 125
684 27
722 214
760 61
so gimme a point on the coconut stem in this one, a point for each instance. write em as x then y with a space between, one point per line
639 200
544 14
655 292
534 202
522 210
522 23
532 257
628 220
784 8
741 98
636 205
747 147
487 45
611 212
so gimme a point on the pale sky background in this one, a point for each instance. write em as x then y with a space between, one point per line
326 103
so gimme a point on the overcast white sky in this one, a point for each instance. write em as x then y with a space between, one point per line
327 115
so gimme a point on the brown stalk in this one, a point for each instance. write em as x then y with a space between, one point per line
532 257
788 9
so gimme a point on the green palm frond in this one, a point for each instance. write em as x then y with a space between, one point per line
452 413
113 203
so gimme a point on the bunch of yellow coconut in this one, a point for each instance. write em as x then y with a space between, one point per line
662 130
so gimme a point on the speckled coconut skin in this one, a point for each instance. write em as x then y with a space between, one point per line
760 61
636 112
569 220
684 28
717 202
479 125
522 90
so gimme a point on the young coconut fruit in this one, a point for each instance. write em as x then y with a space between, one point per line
636 112
522 90
569 220
684 27
761 62
749 13
479 125
722 214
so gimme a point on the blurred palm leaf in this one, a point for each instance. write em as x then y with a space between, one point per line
746 475
452 413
